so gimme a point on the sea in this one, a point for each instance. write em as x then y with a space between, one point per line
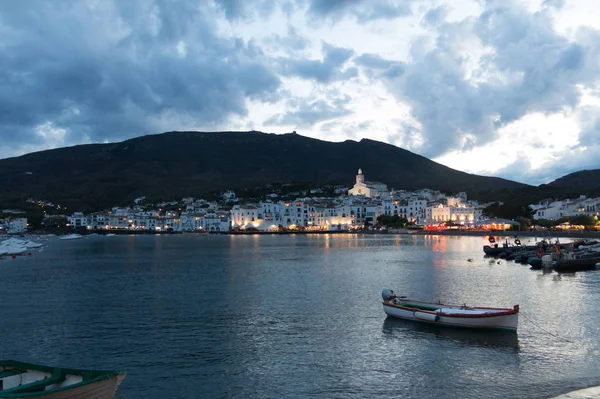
296 316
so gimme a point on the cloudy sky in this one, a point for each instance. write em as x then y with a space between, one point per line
506 88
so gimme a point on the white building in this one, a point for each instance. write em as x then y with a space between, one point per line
454 211
191 222
228 196
78 219
370 189
16 225
567 208
416 210
245 217
217 221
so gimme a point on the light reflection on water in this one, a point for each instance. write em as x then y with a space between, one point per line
296 316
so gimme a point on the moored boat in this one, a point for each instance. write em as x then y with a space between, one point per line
12 250
27 380
450 315
576 265
73 236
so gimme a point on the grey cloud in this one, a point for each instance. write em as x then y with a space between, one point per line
372 61
328 70
242 9
590 127
571 161
404 135
435 16
531 69
558 4
309 113
291 42
351 130
116 75
354 130
520 170
361 10
377 66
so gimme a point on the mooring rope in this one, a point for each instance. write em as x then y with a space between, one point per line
543 329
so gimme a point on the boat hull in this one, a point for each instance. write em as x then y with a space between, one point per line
507 322
104 389
576 265
21 380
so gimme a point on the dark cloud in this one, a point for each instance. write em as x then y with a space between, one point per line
461 101
105 71
330 69
74 71
303 113
361 10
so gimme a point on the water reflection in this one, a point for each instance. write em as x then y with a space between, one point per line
297 316
439 244
501 339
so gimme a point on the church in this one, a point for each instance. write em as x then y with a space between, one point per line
370 189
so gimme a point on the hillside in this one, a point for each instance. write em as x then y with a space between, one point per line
178 164
582 180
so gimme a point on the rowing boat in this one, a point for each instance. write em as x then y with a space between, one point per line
19 380
461 316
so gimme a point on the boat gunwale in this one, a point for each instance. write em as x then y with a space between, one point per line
104 375
505 311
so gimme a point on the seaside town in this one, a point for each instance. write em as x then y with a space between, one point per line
352 208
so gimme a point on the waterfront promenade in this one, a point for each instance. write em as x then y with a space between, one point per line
590 234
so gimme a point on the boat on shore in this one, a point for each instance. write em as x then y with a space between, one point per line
28 380
450 315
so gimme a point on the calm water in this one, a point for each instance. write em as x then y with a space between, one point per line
295 316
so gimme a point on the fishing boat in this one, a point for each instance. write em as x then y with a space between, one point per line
450 315
27 380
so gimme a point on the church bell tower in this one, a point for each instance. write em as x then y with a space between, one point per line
360 178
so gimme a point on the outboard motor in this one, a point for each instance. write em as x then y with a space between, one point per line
388 294
547 261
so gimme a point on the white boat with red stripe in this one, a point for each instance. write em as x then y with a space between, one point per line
461 316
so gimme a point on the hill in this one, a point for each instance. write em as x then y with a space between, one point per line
178 164
582 180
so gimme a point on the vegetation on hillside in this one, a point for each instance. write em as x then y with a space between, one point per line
393 222
510 210
175 165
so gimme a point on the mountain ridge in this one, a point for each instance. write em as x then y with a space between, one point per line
178 164
583 179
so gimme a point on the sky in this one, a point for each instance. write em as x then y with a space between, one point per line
500 88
